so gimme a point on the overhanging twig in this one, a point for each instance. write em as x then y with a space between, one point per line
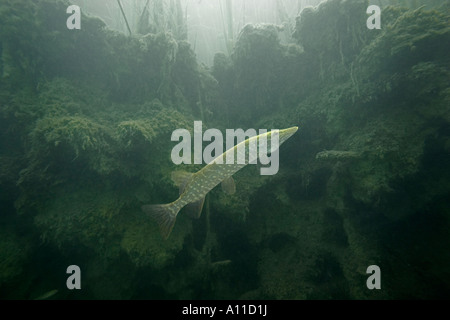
124 16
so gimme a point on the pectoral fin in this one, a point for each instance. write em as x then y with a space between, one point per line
194 209
228 185
181 178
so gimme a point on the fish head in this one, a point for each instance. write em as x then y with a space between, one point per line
286 134
276 137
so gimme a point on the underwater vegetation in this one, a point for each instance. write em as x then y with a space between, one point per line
85 126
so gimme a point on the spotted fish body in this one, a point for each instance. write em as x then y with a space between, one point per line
195 186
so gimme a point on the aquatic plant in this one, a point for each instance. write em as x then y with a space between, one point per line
15 253
334 32
250 81
415 34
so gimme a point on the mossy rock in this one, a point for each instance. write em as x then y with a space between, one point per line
144 244
81 216
15 253
417 36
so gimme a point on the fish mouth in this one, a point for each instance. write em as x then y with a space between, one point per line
286 133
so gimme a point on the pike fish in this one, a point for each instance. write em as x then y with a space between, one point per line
195 186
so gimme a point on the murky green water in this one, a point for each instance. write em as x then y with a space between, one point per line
86 120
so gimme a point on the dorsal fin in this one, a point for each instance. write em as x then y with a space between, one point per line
228 185
181 178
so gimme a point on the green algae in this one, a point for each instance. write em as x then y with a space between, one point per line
15 252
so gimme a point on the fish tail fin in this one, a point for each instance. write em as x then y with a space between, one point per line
164 214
